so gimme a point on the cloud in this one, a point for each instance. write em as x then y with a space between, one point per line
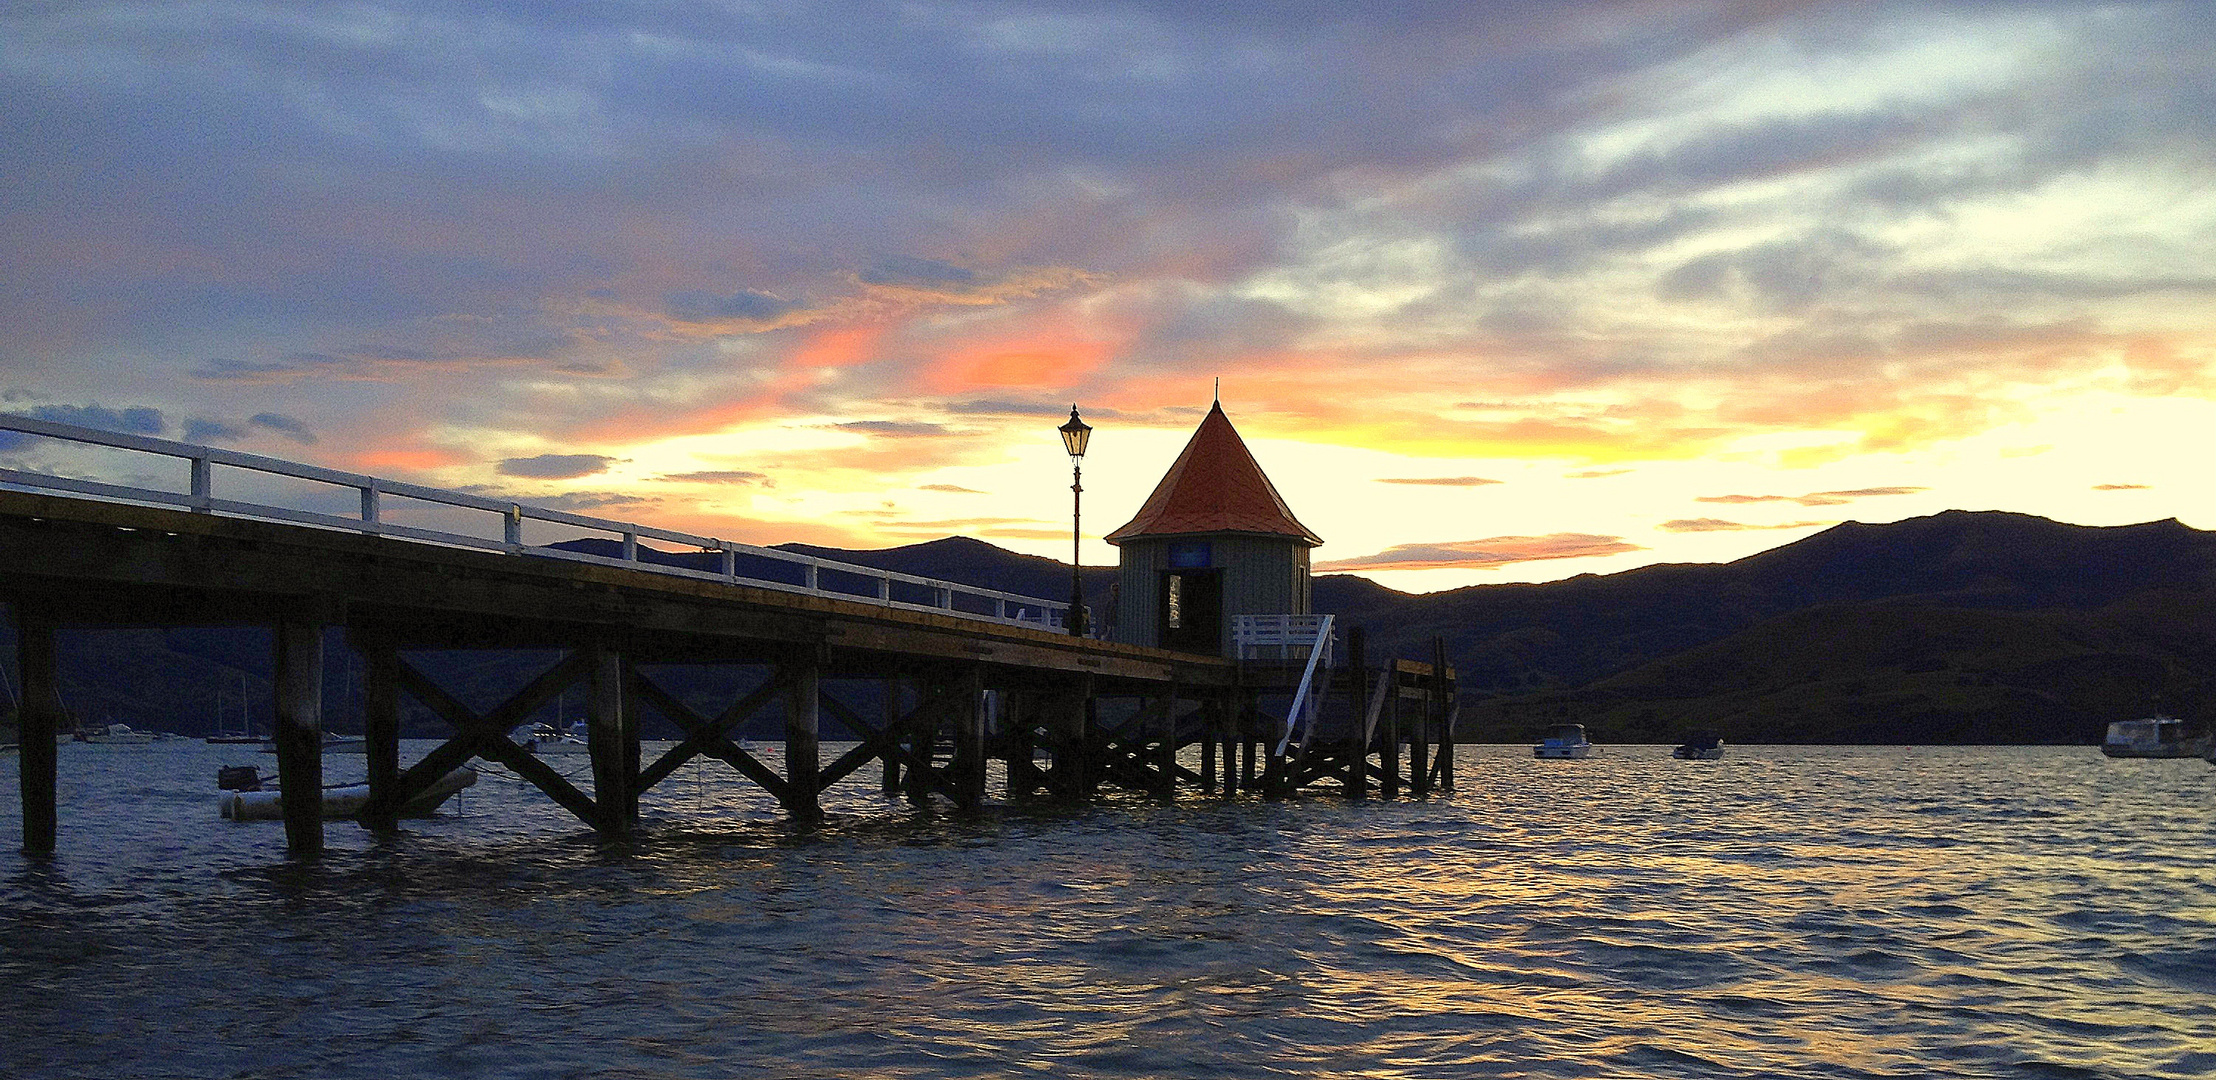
1439 481
201 429
953 489
719 476
290 427
1700 525
1594 474
556 466
139 420
896 429
579 501
1485 554
2121 487
1814 498
744 305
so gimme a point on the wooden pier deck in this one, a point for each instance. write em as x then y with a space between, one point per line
1074 713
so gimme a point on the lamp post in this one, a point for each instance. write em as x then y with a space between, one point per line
1074 435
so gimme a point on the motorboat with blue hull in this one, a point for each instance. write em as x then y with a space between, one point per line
1563 741
2157 737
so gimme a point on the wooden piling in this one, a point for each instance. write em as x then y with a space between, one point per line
1165 752
803 767
381 731
605 718
969 741
1358 700
1388 750
1209 725
39 719
298 650
891 783
1445 694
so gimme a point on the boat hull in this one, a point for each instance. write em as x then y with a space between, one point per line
1689 753
1562 753
342 802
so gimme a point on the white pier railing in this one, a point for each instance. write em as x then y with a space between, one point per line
378 499
1288 637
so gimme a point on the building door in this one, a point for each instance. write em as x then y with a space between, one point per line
1191 611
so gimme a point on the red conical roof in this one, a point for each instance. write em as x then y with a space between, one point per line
1215 486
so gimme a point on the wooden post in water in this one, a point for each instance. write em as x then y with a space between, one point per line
1087 721
1446 712
891 784
969 741
299 732
1015 724
1211 721
923 737
1358 697
1165 753
381 730
1419 746
38 719
1388 756
605 738
803 766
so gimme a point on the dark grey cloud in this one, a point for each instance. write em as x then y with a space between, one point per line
556 466
290 427
201 429
697 306
137 420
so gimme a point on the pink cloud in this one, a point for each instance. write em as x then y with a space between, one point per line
1486 554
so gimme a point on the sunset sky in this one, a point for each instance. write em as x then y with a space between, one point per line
1496 291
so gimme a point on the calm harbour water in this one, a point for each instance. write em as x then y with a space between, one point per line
1789 911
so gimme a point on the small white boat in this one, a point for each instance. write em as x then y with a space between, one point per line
332 744
1701 745
117 735
546 739
1564 741
340 801
2156 737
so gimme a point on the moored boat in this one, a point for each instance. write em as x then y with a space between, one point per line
546 739
1700 745
1564 741
117 735
263 802
2156 737
332 744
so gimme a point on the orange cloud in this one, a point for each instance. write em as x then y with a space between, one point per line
2121 487
1813 498
1438 481
1486 554
1697 525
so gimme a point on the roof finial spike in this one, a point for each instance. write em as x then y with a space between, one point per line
1219 389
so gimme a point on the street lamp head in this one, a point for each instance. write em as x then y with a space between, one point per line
1074 435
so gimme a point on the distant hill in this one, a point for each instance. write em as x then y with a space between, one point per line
1958 627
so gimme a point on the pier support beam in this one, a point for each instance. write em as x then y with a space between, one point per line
607 720
39 720
1442 691
381 730
891 784
1388 750
1358 700
969 741
299 732
803 754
